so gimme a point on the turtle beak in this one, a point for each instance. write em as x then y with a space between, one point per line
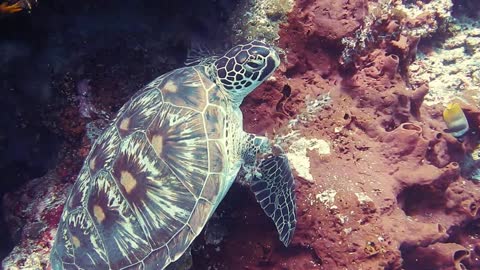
273 61
276 58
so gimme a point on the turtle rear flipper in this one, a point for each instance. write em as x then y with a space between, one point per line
273 187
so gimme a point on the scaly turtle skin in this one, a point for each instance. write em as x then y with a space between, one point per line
158 172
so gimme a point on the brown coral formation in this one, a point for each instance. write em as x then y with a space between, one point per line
402 200
331 21
463 198
438 256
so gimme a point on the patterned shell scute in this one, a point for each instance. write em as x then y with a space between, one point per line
152 86
218 97
158 198
151 180
207 83
211 190
104 150
200 215
64 247
137 266
80 190
87 245
139 113
185 87
117 226
216 150
214 121
178 138
156 259
180 242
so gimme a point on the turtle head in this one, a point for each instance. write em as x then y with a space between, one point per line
240 70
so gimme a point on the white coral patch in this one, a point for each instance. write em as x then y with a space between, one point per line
363 198
297 154
451 70
327 198
342 218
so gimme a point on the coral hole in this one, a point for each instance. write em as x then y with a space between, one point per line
460 255
390 65
287 90
410 126
473 209
394 57
420 200
389 125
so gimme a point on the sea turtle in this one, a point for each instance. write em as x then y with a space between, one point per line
158 172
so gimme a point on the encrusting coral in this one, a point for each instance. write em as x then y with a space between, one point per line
438 256
395 149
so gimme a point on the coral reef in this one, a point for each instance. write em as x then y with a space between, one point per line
259 19
452 68
32 213
403 192
438 256
357 106
396 27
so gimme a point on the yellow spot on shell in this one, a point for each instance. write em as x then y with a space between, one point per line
75 241
91 164
170 87
157 142
98 213
125 123
128 181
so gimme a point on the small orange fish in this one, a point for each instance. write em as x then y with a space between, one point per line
6 8
456 120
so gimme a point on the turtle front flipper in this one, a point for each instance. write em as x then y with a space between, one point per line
272 183
274 189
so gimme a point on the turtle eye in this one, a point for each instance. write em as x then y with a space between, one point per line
255 63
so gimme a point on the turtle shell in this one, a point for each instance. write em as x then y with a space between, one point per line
151 180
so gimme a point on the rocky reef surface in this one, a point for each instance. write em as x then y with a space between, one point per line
357 103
